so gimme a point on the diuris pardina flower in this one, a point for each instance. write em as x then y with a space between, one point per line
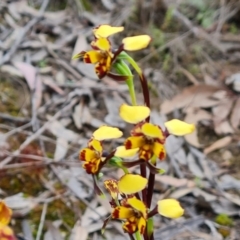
92 155
133 211
103 55
149 138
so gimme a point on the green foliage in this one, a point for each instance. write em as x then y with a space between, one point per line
233 28
158 38
167 62
204 15
168 18
194 68
42 63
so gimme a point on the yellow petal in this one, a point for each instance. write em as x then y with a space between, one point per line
133 114
106 132
122 212
141 225
125 153
5 213
112 186
136 42
134 142
101 44
105 31
138 205
170 208
96 145
159 150
179 128
151 130
131 183
92 56
87 154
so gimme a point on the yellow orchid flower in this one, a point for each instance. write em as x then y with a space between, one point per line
150 138
92 154
102 54
134 213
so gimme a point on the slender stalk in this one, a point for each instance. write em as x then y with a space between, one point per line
151 181
144 174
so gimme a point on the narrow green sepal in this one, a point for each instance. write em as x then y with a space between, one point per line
118 162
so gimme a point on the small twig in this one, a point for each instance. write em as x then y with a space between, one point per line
12 118
188 75
27 27
42 220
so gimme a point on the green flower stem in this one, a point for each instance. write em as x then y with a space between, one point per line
150 228
122 68
138 236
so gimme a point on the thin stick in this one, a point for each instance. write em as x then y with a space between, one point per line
40 227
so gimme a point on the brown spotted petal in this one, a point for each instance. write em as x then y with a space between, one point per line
112 186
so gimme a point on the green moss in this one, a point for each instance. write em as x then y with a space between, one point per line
26 182
224 220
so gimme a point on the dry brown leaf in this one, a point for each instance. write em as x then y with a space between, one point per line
223 142
47 80
11 70
222 127
61 149
222 110
235 115
210 81
194 96
194 116
79 232
29 72
180 193
194 166
232 198
80 45
175 182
